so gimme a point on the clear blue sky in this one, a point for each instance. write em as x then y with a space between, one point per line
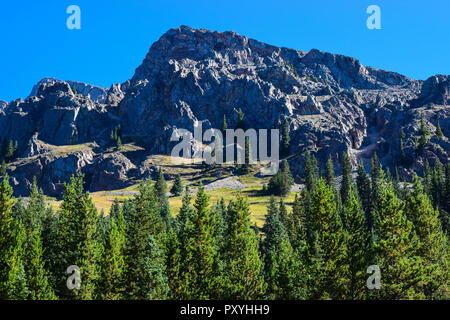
116 35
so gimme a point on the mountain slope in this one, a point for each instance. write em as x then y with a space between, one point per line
332 102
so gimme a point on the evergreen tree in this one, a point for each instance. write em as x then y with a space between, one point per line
357 254
172 261
395 248
12 248
433 248
15 286
38 282
427 180
424 134
364 192
311 171
438 185
445 211
199 269
439 133
118 144
299 230
329 251
330 176
113 260
224 124
152 283
285 137
161 191
282 181
10 150
3 169
77 240
240 121
243 266
177 188
396 184
346 177
143 220
281 265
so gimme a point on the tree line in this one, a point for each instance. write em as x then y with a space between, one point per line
320 249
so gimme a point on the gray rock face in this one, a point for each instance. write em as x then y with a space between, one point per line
333 103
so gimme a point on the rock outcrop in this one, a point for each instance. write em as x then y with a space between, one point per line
333 103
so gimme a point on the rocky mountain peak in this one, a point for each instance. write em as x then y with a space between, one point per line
333 103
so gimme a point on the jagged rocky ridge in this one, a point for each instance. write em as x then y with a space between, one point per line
333 103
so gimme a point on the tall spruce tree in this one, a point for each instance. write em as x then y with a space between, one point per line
199 278
357 254
346 177
395 250
113 259
433 248
77 241
329 250
38 283
285 138
177 188
143 220
329 174
243 265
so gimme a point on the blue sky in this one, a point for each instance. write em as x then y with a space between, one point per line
116 35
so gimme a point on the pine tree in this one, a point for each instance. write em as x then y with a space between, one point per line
177 188
161 184
281 265
329 270
427 180
311 171
113 259
172 261
199 270
364 192
10 150
151 280
438 184
330 176
395 248
357 257
439 133
224 124
240 121
396 184
346 177
299 230
77 240
115 210
445 211
219 213
3 169
285 138
424 134
11 245
15 286
118 144
282 181
377 180
243 265
433 247
284 215
38 282
143 220
161 194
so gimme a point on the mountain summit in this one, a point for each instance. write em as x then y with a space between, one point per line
333 104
